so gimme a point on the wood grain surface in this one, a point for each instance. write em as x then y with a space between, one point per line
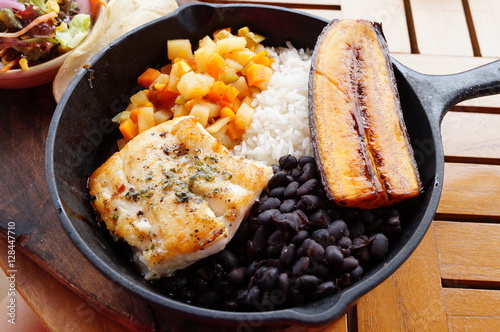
450 283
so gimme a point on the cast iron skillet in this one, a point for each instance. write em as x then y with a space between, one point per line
81 137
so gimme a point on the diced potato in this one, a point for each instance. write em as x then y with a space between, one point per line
180 110
223 34
242 86
160 82
145 119
231 44
242 32
243 117
124 116
217 125
233 64
179 48
201 56
224 138
195 85
201 112
162 116
140 98
209 43
179 69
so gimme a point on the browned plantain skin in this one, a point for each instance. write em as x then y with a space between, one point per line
359 136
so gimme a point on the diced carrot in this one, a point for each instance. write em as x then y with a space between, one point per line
229 96
166 95
148 77
128 129
166 69
134 114
234 132
262 58
256 74
214 65
226 112
217 91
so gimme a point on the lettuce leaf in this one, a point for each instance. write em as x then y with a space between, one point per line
78 29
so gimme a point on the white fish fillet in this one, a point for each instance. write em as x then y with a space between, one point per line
175 194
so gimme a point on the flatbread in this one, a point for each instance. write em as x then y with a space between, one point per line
116 19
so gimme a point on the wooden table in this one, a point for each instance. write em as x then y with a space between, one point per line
451 282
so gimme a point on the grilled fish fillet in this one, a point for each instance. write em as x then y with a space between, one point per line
175 194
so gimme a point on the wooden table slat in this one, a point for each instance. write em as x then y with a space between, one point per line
469 191
485 14
441 27
411 299
468 135
477 260
391 13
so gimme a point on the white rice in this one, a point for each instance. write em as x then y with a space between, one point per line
280 125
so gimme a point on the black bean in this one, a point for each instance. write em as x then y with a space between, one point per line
291 189
314 250
283 283
237 276
322 236
298 238
300 267
376 225
360 242
250 250
279 179
288 162
308 203
325 289
322 271
306 160
275 238
259 239
253 297
302 218
319 218
288 205
294 173
333 255
287 255
269 203
307 187
287 221
356 229
277 192
394 221
309 171
356 273
266 217
276 168
362 255
349 264
269 278
227 259
307 283
345 245
379 246
274 250
337 229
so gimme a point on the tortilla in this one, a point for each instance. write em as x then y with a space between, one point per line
114 20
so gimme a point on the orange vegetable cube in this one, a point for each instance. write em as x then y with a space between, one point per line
214 65
134 114
230 95
256 74
148 77
128 129
226 112
262 58
234 132
217 91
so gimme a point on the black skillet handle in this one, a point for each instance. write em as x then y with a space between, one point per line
438 93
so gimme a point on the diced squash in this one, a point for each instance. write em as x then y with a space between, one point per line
262 58
195 85
230 95
242 57
227 112
242 32
214 65
145 119
258 75
134 114
128 129
243 117
231 44
233 132
217 91
148 77
179 48
217 125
